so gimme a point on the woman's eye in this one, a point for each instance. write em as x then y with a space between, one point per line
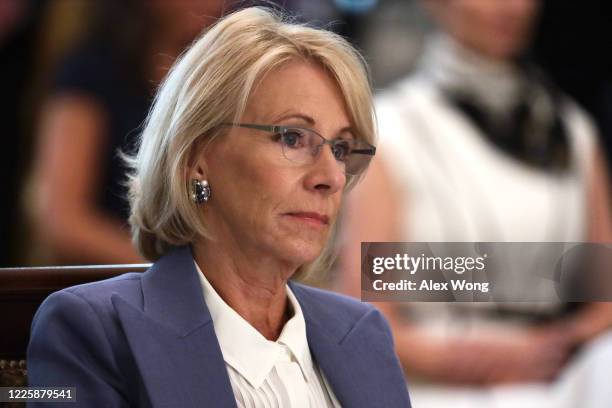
292 138
341 151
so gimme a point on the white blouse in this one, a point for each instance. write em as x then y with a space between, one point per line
266 373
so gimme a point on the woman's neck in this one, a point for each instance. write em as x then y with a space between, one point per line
255 287
452 67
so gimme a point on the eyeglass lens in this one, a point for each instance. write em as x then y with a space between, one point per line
303 146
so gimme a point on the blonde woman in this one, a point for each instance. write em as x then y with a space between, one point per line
251 143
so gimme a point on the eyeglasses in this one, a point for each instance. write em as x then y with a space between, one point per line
302 146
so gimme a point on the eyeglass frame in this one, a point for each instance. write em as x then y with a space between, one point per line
369 151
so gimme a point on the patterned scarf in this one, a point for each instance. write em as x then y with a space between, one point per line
514 105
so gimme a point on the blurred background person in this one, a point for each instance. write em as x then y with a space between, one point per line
100 93
479 145
19 26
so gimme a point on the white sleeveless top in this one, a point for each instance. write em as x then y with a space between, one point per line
456 186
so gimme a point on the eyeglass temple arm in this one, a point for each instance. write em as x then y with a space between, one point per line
370 151
267 128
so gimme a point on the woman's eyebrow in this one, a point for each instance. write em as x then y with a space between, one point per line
311 122
301 116
347 130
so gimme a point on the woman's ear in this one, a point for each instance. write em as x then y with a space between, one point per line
196 164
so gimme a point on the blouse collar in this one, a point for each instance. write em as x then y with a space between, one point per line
248 351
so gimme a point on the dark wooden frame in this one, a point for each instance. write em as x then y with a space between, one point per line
22 290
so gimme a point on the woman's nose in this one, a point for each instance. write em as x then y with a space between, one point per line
326 174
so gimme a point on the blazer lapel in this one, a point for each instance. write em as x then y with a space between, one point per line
353 351
335 362
173 339
340 362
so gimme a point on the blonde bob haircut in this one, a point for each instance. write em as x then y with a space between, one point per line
210 84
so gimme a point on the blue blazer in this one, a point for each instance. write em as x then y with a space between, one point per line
147 340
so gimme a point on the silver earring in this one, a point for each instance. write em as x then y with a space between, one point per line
200 191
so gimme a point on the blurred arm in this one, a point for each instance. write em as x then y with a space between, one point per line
596 317
600 210
67 179
372 212
372 209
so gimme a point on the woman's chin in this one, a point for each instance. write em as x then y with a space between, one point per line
302 252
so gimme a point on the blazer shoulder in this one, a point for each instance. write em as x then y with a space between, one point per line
98 293
96 296
76 340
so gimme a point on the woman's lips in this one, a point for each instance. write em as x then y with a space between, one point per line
310 217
